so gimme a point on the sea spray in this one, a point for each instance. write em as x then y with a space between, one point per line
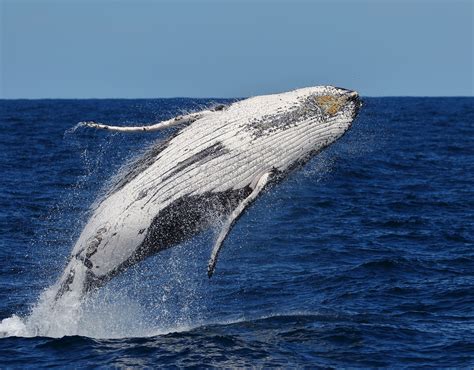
47 318
163 294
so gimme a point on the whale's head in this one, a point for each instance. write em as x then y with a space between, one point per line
305 121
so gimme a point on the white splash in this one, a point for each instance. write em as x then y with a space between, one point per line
115 310
92 317
47 318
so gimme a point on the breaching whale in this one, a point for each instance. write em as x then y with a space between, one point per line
217 163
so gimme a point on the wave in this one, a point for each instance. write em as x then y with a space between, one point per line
124 320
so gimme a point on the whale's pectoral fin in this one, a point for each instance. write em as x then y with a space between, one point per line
260 183
179 120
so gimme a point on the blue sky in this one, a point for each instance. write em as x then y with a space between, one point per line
136 49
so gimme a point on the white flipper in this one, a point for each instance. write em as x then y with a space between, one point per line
186 119
262 181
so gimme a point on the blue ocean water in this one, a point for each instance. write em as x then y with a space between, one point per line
364 258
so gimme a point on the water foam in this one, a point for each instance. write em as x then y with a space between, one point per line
145 301
95 317
47 318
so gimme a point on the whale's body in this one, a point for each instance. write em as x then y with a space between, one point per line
212 167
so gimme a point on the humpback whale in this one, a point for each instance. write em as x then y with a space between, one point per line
217 163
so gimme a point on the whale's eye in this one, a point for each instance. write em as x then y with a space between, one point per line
330 104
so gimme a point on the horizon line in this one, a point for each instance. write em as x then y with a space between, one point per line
230 98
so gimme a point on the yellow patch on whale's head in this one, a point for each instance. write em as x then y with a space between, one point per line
330 104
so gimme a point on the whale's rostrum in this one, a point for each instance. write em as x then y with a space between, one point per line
216 164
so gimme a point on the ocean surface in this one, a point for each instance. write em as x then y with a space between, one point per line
363 258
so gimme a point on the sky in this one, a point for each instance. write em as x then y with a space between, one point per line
231 48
